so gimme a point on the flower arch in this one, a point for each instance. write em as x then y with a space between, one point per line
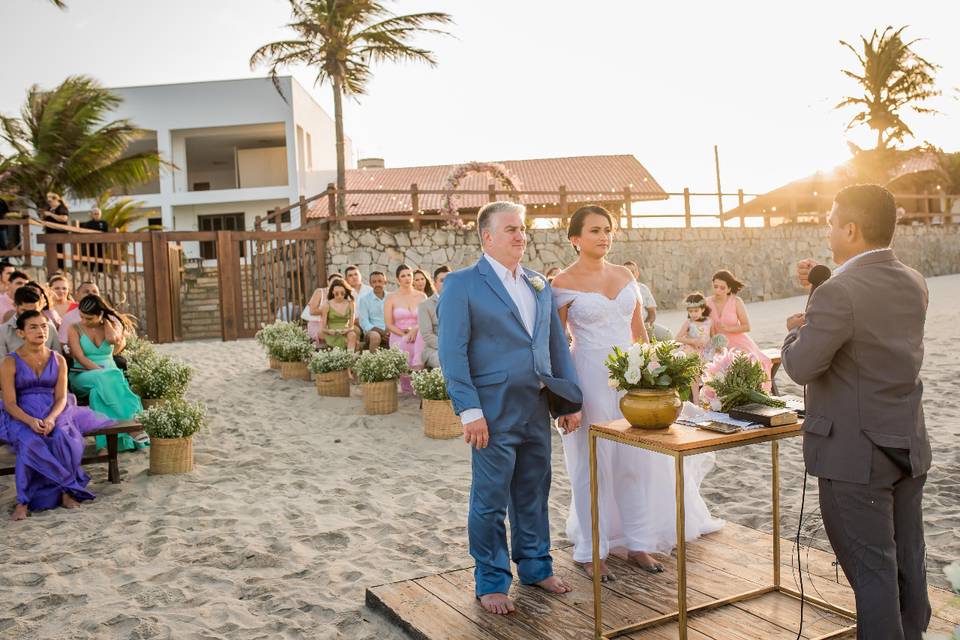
456 176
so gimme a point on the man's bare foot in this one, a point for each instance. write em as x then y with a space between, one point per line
605 574
68 502
645 561
555 584
19 512
498 603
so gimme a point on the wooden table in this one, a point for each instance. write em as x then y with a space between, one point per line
680 441
775 361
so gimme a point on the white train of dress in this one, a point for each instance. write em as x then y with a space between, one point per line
637 487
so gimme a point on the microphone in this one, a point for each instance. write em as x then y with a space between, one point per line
817 276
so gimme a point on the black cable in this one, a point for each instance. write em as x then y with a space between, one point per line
803 498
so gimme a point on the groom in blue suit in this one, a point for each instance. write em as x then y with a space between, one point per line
508 368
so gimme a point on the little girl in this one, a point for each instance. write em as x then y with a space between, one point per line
694 334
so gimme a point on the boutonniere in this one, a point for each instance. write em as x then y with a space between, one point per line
538 283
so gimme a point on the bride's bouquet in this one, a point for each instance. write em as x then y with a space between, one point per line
660 366
735 378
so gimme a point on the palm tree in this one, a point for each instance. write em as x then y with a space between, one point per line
341 39
120 213
892 76
62 142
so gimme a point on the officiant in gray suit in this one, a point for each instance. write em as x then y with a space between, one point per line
858 350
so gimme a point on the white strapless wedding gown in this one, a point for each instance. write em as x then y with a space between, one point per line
637 487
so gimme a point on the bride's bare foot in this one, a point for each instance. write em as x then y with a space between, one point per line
19 512
555 584
498 603
645 561
68 502
605 574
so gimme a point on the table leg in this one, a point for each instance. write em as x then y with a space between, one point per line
681 553
775 455
113 449
595 527
773 379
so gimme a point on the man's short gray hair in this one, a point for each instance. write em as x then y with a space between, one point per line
95 210
487 212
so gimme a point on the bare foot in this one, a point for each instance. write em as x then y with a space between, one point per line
498 603
68 502
605 574
555 584
645 561
19 512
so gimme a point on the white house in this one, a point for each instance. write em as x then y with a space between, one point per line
238 148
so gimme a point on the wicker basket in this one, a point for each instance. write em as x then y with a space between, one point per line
171 455
334 384
380 397
274 363
439 420
151 402
294 371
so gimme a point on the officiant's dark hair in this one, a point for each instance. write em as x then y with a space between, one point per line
575 227
735 285
872 208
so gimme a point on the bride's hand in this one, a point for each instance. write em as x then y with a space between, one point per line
569 423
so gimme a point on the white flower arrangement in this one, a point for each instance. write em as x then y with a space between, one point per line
381 365
336 359
430 384
173 419
290 344
537 283
153 376
664 365
270 333
136 348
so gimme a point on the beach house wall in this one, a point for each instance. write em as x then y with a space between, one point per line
239 148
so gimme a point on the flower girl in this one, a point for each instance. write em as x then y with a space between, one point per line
694 334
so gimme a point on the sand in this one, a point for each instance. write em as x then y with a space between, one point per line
298 503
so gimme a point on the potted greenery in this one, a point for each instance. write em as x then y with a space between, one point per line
655 377
331 371
270 333
439 419
293 349
378 372
171 427
158 378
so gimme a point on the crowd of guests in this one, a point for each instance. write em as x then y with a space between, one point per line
57 343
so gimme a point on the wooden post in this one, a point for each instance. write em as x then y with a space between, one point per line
276 220
716 161
331 200
491 192
927 218
163 306
564 213
228 272
323 235
687 214
25 243
743 221
628 206
415 204
51 250
303 211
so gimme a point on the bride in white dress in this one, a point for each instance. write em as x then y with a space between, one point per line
599 303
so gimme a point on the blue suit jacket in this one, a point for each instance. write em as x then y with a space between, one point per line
489 360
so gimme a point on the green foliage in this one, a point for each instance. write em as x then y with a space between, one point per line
138 348
153 376
736 379
430 384
275 331
663 365
120 213
335 359
380 365
173 419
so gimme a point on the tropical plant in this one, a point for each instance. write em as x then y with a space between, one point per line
174 419
340 39
335 359
892 77
664 365
733 379
120 213
154 377
430 384
380 365
63 142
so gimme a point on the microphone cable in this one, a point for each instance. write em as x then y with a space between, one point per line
803 498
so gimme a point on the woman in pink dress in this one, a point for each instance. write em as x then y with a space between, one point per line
730 318
400 313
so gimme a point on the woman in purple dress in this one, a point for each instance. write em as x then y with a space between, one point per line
43 423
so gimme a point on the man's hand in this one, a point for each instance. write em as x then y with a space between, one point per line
796 320
476 434
803 271
569 423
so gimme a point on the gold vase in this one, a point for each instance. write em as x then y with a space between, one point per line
651 408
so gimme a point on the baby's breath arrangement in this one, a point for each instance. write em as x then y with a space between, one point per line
173 419
270 333
336 359
381 365
292 345
136 348
153 376
430 384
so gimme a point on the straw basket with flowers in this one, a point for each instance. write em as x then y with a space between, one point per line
158 378
439 419
271 333
378 372
331 369
293 349
171 427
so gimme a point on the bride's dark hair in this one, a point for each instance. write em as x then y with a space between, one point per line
575 226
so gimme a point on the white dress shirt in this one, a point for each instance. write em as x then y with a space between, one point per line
846 265
522 296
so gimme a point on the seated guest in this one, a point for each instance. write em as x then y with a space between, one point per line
25 299
6 295
337 314
648 306
729 318
61 299
427 320
95 375
355 279
422 283
17 280
45 309
42 422
400 311
312 315
370 312
73 316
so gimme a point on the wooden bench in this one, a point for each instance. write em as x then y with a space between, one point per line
774 355
112 434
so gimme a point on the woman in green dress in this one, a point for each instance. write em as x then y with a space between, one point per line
95 375
336 317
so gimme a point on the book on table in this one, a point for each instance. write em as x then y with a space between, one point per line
765 415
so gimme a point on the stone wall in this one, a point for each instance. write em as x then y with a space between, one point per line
672 262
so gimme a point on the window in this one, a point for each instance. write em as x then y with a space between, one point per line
218 222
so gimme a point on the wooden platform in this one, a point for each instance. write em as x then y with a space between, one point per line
734 559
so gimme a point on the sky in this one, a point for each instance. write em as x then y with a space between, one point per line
537 78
